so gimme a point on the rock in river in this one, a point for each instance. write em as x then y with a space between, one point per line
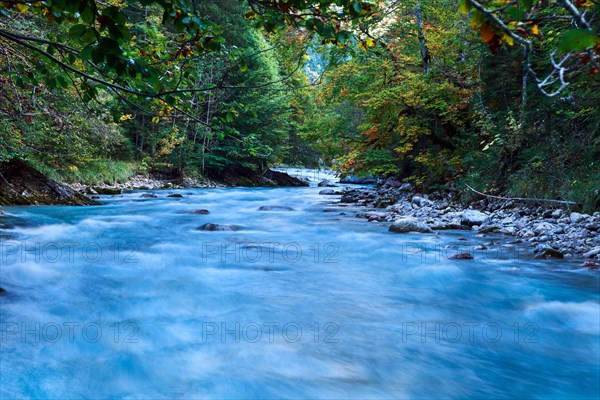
106 190
219 227
326 183
328 192
409 224
275 208
199 212
549 252
461 256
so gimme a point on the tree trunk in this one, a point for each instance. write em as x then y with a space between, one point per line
425 58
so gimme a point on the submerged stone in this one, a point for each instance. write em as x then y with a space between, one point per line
199 212
275 208
219 227
461 256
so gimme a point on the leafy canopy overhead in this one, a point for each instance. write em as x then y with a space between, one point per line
114 44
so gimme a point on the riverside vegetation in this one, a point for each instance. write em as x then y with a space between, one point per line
501 96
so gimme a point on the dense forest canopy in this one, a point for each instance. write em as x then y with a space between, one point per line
501 95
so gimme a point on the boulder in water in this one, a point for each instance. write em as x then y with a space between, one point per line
2 292
409 224
275 208
148 196
461 256
175 195
219 227
199 212
549 252
326 183
107 190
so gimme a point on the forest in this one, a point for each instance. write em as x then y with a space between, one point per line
498 95
300 199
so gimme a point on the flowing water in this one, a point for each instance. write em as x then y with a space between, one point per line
130 300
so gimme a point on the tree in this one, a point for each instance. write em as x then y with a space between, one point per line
572 27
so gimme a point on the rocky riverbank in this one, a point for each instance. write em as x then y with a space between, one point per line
239 177
549 232
21 184
142 182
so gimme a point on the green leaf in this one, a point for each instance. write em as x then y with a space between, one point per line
110 46
115 14
464 6
514 13
170 100
77 31
577 40
86 53
477 18
63 81
86 11
526 4
97 55
343 37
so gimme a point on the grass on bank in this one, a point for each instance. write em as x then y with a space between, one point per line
98 172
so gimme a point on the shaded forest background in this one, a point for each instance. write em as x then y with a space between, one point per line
428 91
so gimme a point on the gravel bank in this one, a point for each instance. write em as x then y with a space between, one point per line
549 232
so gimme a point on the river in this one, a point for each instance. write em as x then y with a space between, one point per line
131 300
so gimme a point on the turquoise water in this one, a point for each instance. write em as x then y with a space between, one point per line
130 300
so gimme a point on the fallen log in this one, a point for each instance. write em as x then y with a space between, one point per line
532 199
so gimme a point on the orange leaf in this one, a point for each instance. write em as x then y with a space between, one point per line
487 32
